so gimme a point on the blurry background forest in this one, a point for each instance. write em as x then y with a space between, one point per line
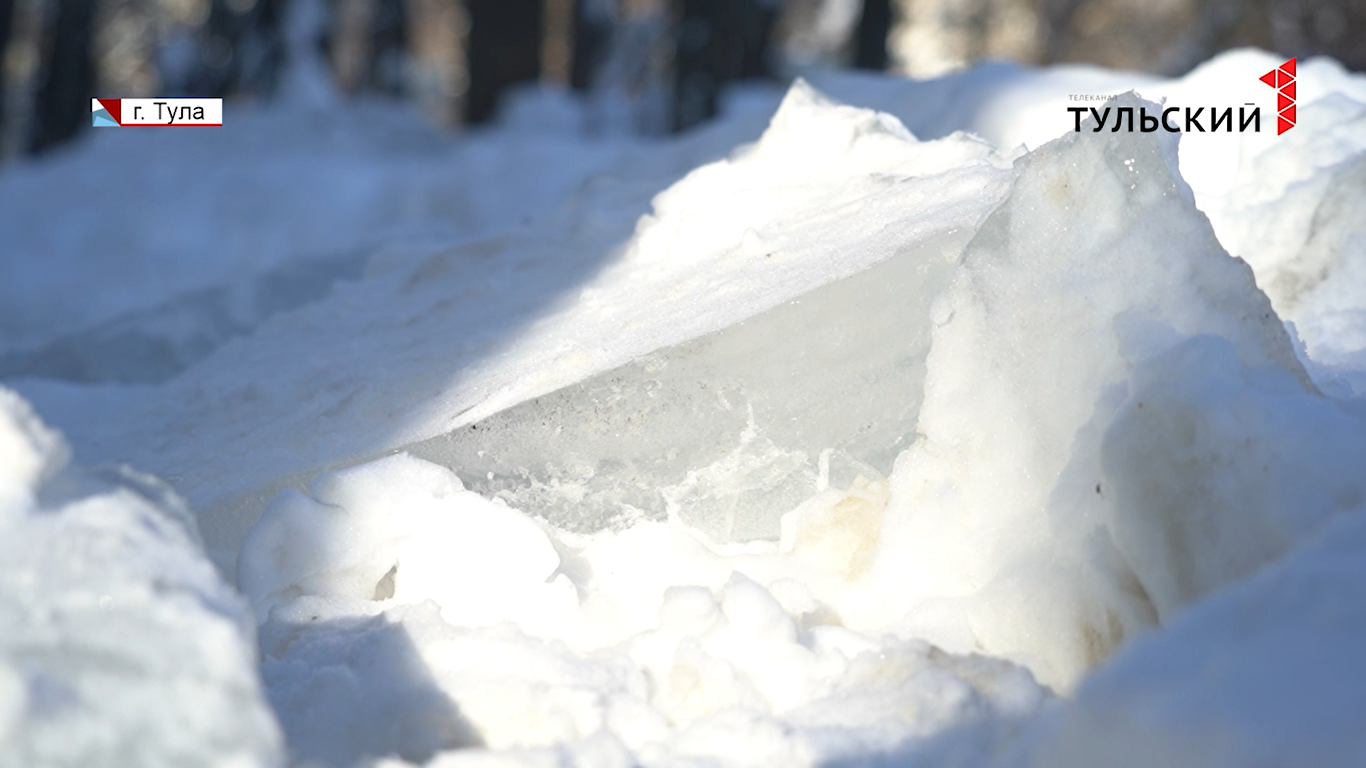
650 66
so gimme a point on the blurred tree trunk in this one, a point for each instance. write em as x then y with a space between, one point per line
557 41
260 48
593 23
717 41
388 47
350 42
6 28
438 38
68 76
625 63
19 71
870 43
504 49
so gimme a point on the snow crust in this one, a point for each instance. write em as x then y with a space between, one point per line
869 442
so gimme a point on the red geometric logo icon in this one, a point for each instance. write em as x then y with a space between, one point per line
1282 79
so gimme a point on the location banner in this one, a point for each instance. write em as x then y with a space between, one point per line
114 113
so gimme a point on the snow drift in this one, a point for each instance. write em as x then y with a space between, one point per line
121 644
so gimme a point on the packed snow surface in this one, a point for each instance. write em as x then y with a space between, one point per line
880 422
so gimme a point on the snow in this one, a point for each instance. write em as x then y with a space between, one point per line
1254 676
716 666
995 500
122 645
178 273
451 544
880 422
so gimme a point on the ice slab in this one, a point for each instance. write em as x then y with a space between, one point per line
728 432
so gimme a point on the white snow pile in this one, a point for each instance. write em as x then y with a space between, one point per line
120 645
867 443
1260 674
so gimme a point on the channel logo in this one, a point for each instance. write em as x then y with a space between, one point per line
1282 78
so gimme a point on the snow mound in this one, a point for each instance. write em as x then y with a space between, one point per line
347 538
904 506
644 646
1029 510
122 646
1262 674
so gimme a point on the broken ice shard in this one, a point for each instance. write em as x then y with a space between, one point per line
729 431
